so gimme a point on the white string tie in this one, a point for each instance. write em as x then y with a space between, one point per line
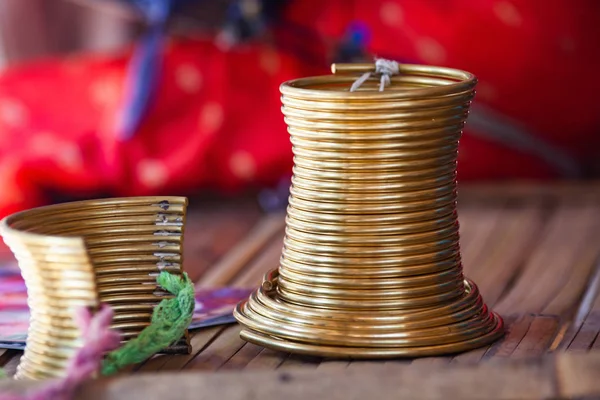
386 68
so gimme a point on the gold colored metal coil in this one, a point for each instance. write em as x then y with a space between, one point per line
371 263
86 253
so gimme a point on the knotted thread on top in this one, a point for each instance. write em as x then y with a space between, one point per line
386 68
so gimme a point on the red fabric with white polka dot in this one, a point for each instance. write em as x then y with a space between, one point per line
216 121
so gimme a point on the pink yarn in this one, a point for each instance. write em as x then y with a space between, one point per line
98 340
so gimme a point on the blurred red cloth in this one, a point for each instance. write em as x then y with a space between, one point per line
216 119
216 122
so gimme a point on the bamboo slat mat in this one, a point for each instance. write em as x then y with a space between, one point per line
532 250
533 255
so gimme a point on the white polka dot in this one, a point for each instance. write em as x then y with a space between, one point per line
42 143
242 165
69 157
105 91
430 50
66 154
188 78
269 62
211 118
508 13
152 173
13 113
391 14
225 40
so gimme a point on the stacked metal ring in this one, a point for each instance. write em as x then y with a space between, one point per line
371 261
90 252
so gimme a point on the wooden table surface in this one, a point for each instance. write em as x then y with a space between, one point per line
533 251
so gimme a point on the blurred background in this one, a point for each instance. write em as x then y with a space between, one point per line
139 97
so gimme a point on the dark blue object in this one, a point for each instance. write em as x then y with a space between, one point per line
353 46
143 70
275 199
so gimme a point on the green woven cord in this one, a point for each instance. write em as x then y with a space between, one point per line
170 319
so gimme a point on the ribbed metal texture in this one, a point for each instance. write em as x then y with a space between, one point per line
90 252
371 261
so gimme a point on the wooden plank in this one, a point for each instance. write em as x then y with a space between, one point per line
12 362
587 334
268 259
527 336
499 380
333 365
516 329
596 344
243 357
199 341
267 359
586 327
363 365
431 361
563 250
2 355
218 352
476 227
577 375
538 338
217 275
295 361
212 230
563 375
220 349
470 357
574 282
153 364
587 309
229 351
509 245
235 260
402 361
498 239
